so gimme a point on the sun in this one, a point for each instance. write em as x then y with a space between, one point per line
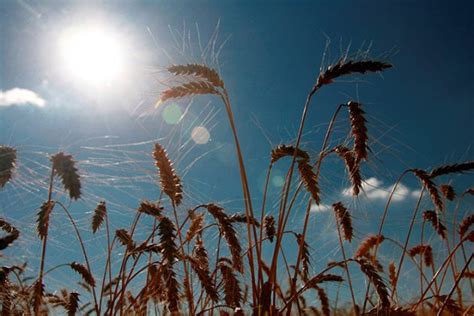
91 54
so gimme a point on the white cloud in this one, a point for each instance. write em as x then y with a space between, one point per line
18 96
374 189
321 208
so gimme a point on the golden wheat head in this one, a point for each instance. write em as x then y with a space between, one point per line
169 180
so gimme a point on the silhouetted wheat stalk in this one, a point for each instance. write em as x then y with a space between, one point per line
7 164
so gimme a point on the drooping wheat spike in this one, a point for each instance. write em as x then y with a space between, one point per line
188 89
322 278
125 239
99 214
269 224
358 130
204 277
200 254
310 179
83 272
197 222
43 218
344 218
346 67
370 271
150 208
287 151
433 218
201 71
7 240
324 301
6 226
430 186
470 236
469 191
169 180
65 167
232 292
447 191
454 168
167 232
424 250
12 234
73 303
229 233
241 218
465 225
305 254
7 164
352 167
367 244
392 274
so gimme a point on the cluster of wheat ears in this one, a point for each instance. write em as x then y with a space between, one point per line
180 276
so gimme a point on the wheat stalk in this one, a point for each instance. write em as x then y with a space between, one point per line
287 151
346 67
83 272
65 167
7 164
433 218
169 180
424 250
73 304
188 89
447 191
232 292
370 271
454 168
352 167
359 130
367 244
197 222
99 214
269 224
229 234
202 71
310 179
167 232
430 186
344 218
465 225
150 208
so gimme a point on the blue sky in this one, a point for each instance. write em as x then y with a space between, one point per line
420 112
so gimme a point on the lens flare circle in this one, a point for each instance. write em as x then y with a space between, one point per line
200 135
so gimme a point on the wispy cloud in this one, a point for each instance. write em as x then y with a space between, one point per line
18 96
374 189
321 208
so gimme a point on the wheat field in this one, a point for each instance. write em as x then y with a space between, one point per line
172 268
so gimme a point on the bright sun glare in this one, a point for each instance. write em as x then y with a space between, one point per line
91 54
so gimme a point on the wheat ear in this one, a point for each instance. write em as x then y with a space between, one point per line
7 164
287 151
346 67
169 180
201 71
65 167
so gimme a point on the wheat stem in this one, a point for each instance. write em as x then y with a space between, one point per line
39 300
84 252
